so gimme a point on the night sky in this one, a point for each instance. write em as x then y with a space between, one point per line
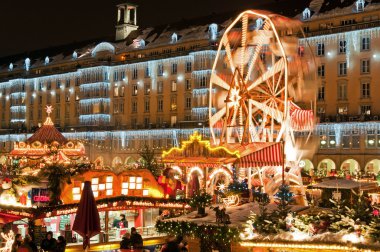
31 25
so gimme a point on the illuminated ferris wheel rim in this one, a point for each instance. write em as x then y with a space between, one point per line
282 66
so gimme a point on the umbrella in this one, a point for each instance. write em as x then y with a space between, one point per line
87 221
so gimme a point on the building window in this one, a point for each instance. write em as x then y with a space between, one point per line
174 85
147 72
174 68
134 89
321 71
58 98
40 99
77 82
364 90
203 63
134 106
320 49
160 69
134 73
188 66
67 97
342 46
188 103
173 120
173 103
203 82
365 66
160 87
365 109
365 44
147 88
342 110
122 90
57 84
67 84
188 84
48 85
115 76
321 93
116 90
160 105
342 69
342 91
147 105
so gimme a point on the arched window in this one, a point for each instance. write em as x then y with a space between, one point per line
47 60
75 55
306 14
360 5
104 46
11 67
174 38
213 31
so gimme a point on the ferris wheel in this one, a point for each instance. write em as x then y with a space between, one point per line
261 70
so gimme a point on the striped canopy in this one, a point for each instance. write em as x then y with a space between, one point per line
271 155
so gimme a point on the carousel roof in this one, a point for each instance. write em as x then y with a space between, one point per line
48 133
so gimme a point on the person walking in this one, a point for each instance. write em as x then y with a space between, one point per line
126 241
29 244
61 244
17 243
136 239
49 243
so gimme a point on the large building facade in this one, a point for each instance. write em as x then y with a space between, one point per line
151 87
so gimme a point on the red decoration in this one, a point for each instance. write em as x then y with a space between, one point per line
375 212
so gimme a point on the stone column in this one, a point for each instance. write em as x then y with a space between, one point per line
118 15
127 15
135 20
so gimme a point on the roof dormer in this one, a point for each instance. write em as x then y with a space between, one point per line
306 14
360 4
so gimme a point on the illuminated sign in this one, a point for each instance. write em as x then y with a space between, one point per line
40 195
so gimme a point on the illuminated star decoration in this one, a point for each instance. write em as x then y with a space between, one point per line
49 109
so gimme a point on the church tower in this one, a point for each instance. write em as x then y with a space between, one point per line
126 20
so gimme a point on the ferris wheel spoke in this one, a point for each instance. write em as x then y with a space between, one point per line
227 48
215 79
258 48
268 74
217 116
276 114
279 81
243 42
280 91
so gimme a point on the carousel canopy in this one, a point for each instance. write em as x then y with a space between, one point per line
47 134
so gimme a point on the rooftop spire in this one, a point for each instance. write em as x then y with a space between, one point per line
49 110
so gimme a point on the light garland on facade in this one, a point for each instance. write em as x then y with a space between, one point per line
301 246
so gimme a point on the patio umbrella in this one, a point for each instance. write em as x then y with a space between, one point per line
87 221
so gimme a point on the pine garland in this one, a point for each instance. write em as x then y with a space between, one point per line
210 236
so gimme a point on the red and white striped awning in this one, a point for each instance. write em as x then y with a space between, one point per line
301 119
271 155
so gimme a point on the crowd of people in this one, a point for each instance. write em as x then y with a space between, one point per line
49 244
131 240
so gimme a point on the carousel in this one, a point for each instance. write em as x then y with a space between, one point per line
46 146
